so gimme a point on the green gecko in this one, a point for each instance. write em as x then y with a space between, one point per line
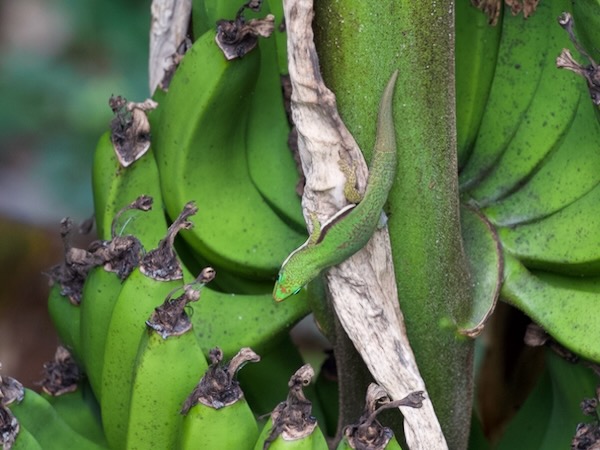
350 228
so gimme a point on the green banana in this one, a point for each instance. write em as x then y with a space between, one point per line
167 365
72 398
200 21
571 383
587 23
200 148
291 425
561 305
39 418
270 161
14 436
67 281
545 122
114 189
216 412
522 50
65 317
101 289
280 35
158 274
565 242
231 321
528 427
567 174
80 410
476 47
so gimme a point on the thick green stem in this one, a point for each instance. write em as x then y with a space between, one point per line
360 44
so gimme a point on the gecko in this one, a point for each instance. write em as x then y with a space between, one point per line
348 230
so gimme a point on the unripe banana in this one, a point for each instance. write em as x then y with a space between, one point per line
476 48
168 362
523 49
72 398
291 425
14 436
270 161
200 148
37 416
560 304
217 415
546 120
569 172
231 320
68 279
102 286
280 35
587 24
158 274
115 188
65 317
80 410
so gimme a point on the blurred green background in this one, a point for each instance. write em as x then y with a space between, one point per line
60 61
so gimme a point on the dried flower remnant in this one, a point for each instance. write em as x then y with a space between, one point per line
591 72
170 319
218 388
162 263
492 8
130 128
72 272
61 375
292 418
367 432
238 37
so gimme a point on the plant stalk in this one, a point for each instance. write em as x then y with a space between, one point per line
360 44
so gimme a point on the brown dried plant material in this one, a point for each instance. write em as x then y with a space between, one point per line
9 428
162 263
493 8
367 432
170 319
591 72
218 387
61 375
238 37
292 419
10 390
130 128
72 272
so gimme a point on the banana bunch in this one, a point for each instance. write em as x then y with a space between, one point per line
210 144
534 175
137 370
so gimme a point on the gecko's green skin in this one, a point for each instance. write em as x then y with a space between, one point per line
351 228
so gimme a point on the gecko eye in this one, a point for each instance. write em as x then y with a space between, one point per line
279 278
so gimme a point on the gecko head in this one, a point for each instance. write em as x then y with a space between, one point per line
284 287
296 272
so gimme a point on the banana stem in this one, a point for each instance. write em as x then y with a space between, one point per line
430 265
